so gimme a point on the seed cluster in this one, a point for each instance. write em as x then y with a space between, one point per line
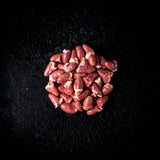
79 80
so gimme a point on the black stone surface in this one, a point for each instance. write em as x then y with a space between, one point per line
30 127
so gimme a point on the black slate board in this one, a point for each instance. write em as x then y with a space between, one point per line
30 125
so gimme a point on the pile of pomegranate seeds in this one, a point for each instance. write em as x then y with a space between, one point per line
79 80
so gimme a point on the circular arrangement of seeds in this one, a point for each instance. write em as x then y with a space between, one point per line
79 80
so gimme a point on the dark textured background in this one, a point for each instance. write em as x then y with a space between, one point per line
30 125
